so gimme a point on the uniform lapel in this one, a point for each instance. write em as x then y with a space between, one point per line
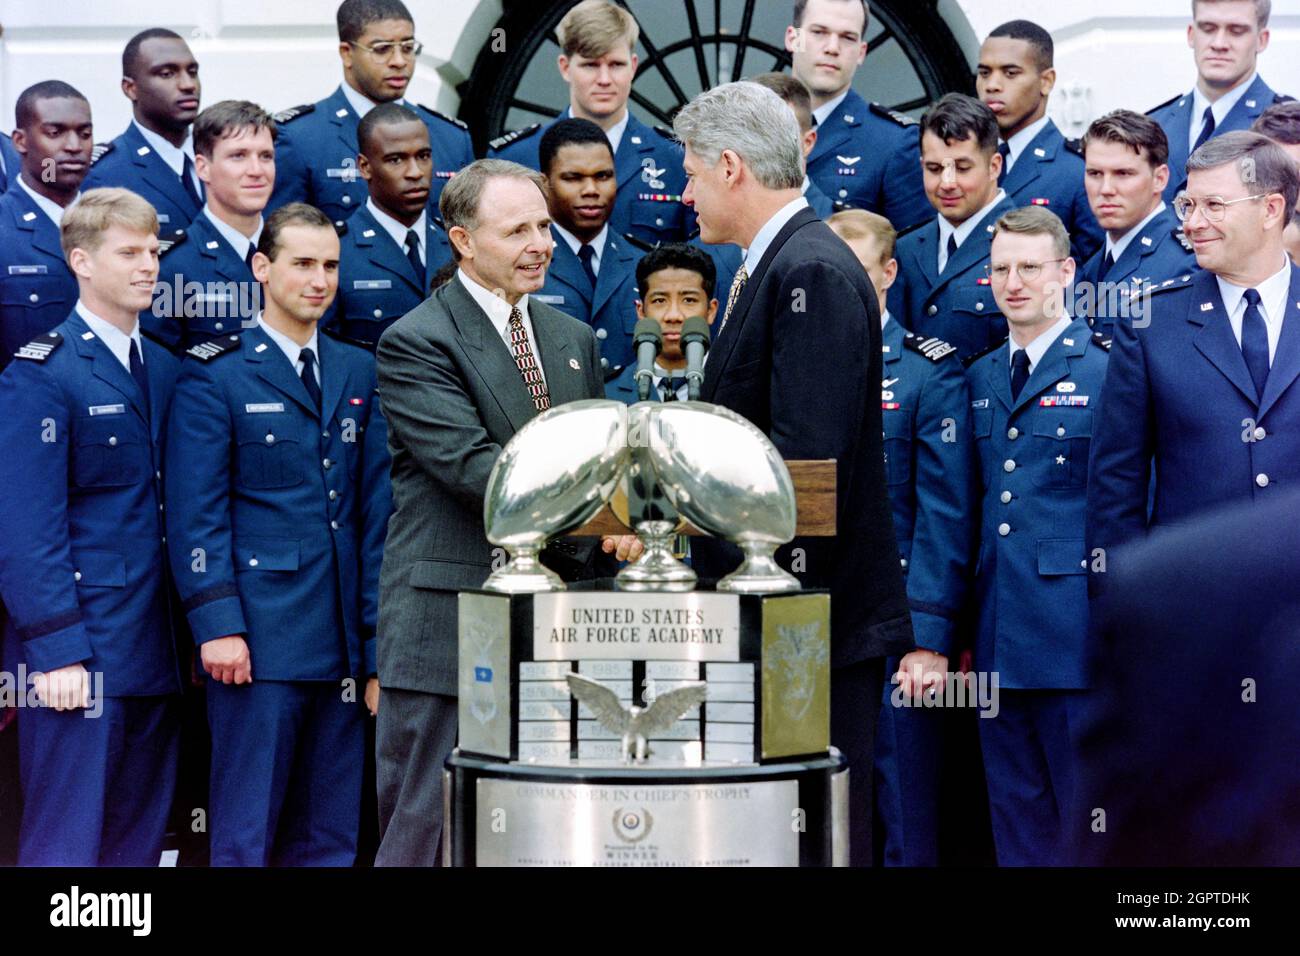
1286 362
1000 373
333 376
635 146
1179 130
566 270
105 365
273 367
1028 163
154 369
155 171
382 251
1053 366
1215 339
837 129
615 265
345 124
1257 98
43 234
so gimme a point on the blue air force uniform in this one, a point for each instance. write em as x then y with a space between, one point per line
651 180
205 289
10 162
956 305
929 469
37 289
1031 583
1176 119
1157 251
286 507
84 578
316 155
869 157
609 308
1049 172
131 163
377 282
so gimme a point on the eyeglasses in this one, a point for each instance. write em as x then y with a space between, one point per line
1028 271
1213 208
384 51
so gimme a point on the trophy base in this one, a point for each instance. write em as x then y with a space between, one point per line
657 569
758 574
523 574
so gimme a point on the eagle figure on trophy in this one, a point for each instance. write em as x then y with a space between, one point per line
636 724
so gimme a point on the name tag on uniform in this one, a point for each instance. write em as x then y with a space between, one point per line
253 409
107 410
372 284
28 270
164 218
980 403
549 299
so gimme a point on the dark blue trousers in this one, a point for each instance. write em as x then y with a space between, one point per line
287 764
97 789
909 747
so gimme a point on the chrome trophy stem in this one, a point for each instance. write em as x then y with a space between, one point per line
524 573
657 569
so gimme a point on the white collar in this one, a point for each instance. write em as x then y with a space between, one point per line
615 133
292 349
884 318
497 308
947 229
597 244
173 156
360 103
44 203
823 112
1220 108
803 189
1017 143
395 229
118 342
764 237
1272 293
1039 346
238 241
1116 249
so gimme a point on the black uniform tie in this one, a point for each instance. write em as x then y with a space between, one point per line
1207 129
1019 372
308 359
413 253
1254 342
142 380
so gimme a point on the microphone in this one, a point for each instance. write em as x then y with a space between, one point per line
648 342
695 343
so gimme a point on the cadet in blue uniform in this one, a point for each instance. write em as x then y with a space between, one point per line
37 289
597 39
277 467
316 153
929 466
206 286
1040 167
677 281
942 289
82 569
1033 401
864 153
1126 155
10 162
393 245
1202 383
1226 40
154 156
592 275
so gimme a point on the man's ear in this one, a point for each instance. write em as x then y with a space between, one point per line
640 310
79 263
1047 80
19 139
460 238
363 166
129 89
261 267
203 167
713 311
1161 177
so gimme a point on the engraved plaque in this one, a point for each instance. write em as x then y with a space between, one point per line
617 625
796 713
484 672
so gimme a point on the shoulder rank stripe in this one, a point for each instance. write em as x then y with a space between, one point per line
100 151
293 112
1101 341
171 242
207 351
1169 102
1182 239
902 119
505 139
666 133
443 116
1169 285
1074 146
932 348
40 348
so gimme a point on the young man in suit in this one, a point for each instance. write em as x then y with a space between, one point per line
83 571
592 275
797 352
154 156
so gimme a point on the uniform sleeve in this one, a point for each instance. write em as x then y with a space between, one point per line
376 497
947 507
904 188
291 173
199 541
37 579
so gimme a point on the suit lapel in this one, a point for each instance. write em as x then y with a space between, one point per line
1286 362
273 367
489 354
1215 339
563 380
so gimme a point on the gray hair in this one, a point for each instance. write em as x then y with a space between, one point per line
1262 164
753 122
459 202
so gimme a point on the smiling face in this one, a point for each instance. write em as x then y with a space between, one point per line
509 248
827 47
1008 81
380 79
582 185
1122 186
118 274
164 85
960 180
1226 40
1228 247
55 147
240 172
599 87
398 165
1032 305
672 296
302 279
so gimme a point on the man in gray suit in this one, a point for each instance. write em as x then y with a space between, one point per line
458 376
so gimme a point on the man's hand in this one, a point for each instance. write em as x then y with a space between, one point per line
372 696
921 670
626 547
66 688
227 660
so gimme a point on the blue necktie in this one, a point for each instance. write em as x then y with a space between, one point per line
1207 129
413 253
308 359
585 256
1254 342
1004 151
1019 372
137 373
187 180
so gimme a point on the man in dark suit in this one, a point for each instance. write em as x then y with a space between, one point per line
1226 38
797 352
1202 382
457 378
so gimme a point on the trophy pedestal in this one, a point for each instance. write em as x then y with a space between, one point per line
653 814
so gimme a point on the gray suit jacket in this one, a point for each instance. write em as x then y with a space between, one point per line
453 397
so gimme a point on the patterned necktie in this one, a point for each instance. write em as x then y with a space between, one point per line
670 386
1254 342
1207 129
532 375
1019 372
1004 150
737 284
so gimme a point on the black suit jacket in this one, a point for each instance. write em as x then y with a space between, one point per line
800 358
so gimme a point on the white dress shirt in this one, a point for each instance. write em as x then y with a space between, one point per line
118 342
662 377
1272 304
1017 143
823 112
44 203
291 349
238 241
1116 249
498 313
1220 108
1039 346
615 133
397 231
763 238
947 229
360 103
173 156
597 244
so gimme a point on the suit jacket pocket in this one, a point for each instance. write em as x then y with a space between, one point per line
442 575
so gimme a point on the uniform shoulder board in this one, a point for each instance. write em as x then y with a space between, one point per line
639 243
666 133
840 205
435 220
902 119
1169 102
292 113
101 150
213 348
1176 284
1181 236
505 139
40 348
912 228
1101 341
444 117
171 242
153 336
341 227
338 336
936 350
1281 98
1075 146
972 359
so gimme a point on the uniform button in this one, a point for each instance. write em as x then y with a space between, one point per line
158 475
1013 433
1008 465
979 306
1262 480
347 200
933 310
1004 529
220 326
1005 497
1083 563
112 440
252 562
33 298
902 562
1060 431
658 221
160 506
1260 434
333 494
604 363
324 434
327 462
843 193
334 525
379 313
76 575
601 333
270 439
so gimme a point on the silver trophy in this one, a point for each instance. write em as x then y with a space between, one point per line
727 478
635 724
552 477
